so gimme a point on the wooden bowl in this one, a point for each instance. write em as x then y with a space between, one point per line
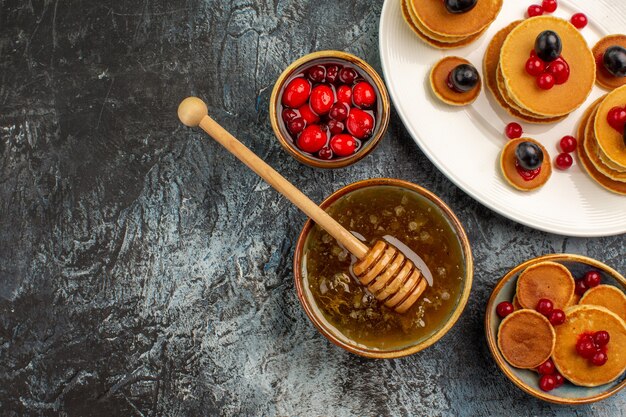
526 379
325 57
330 332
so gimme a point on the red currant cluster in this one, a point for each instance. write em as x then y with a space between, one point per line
555 315
579 20
590 280
328 110
547 74
617 118
568 145
550 377
593 347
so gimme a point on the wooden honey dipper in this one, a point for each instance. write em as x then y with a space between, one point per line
388 274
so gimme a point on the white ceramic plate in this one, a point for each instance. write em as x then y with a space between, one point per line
465 143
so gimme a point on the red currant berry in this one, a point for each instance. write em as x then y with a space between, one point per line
592 279
332 73
296 125
535 66
534 10
325 153
547 383
504 309
312 139
586 348
339 111
546 368
296 93
289 114
344 94
601 338
544 306
599 358
580 288
560 70
363 94
617 118
347 75
545 81
335 127
564 161
360 123
557 317
308 115
568 144
513 130
343 144
322 98
558 378
317 74
549 5
579 20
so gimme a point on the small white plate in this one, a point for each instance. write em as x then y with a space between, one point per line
465 143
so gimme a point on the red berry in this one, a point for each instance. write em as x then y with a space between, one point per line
360 123
549 5
581 287
599 358
617 118
535 66
312 139
547 383
296 125
586 348
363 94
332 73
317 74
322 98
568 144
579 20
534 10
564 161
558 379
592 279
335 127
344 94
347 75
289 114
339 111
308 115
544 306
557 317
504 309
545 81
296 93
513 130
546 368
601 338
325 153
560 70
343 144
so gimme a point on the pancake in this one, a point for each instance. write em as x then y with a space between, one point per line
604 78
575 368
439 83
509 170
515 303
490 69
592 150
575 300
607 296
434 17
428 32
561 99
526 339
610 141
545 280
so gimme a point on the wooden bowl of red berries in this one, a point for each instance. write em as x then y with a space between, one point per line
556 327
329 109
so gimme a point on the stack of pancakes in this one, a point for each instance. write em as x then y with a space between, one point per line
505 73
601 148
431 21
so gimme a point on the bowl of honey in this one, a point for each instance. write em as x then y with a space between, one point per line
344 311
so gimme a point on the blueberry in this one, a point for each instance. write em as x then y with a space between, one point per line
460 6
615 61
529 155
464 77
548 46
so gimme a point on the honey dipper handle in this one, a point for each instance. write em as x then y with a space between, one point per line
193 112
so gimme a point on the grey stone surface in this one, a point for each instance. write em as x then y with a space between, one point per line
143 271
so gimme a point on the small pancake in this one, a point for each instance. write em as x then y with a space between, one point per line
561 99
578 370
490 67
607 296
604 181
592 151
439 83
515 303
434 16
610 141
604 78
545 280
509 170
526 339
575 300
428 32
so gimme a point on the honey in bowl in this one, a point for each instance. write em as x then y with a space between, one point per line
378 212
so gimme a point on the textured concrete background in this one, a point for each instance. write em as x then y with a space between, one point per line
143 271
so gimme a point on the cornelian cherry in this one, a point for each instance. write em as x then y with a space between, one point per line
322 98
557 317
325 153
296 93
563 161
335 127
585 347
617 118
549 5
592 279
347 75
308 115
547 368
317 74
545 81
534 10
296 125
599 358
504 308
544 306
513 130
360 123
559 70
568 144
579 20
289 114
558 379
580 288
601 338
312 139
332 73
343 144
547 383
339 111
344 94
535 66
363 94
